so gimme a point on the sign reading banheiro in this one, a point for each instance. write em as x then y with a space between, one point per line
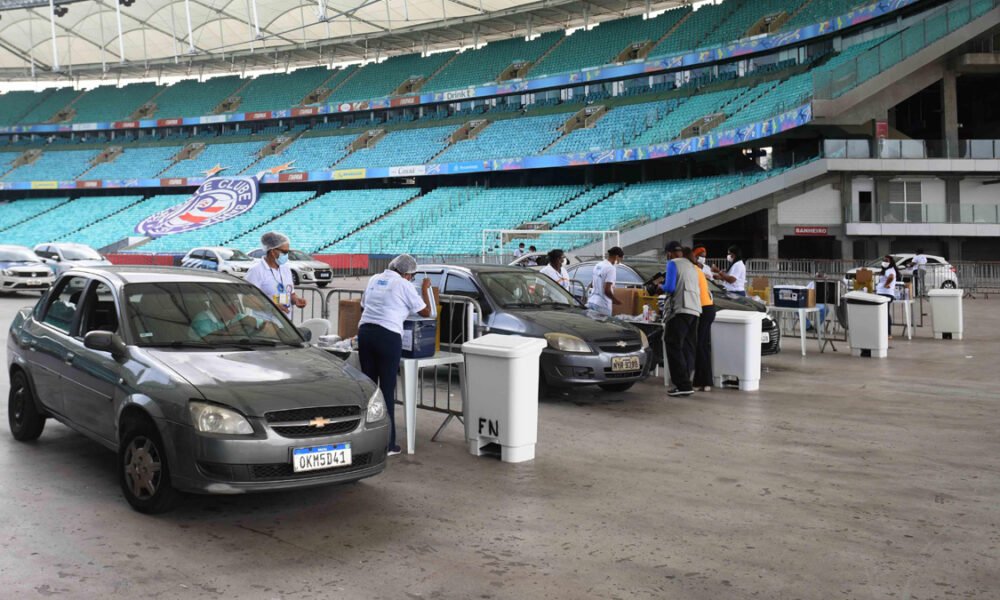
218 199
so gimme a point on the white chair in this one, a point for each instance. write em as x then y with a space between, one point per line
317 328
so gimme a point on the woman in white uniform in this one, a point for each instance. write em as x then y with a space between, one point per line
887 285
734 279
556 269
273 275
389 299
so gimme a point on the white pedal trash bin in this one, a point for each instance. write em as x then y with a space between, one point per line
736 338
501 394
867 324
946 313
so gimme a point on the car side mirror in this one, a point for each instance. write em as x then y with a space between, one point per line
105 341
306 334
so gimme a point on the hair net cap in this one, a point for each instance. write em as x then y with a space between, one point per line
404 264
273 239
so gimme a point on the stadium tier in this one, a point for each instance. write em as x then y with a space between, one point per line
403 147
672 32
54 165
121 224
136 163
506 138
234 157
309 153
14 213
65 218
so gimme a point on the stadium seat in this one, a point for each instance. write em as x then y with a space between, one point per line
375 80
485 64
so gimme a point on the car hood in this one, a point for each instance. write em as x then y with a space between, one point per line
581 323
257 381
728 302
23 263
90 262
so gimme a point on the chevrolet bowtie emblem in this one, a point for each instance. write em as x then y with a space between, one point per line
621 344
320 422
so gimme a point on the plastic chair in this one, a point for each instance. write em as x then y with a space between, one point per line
317 328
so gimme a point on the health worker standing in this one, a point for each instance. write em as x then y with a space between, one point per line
389 299
273 275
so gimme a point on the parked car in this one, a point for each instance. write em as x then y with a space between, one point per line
196 380
217 258
22 270
583 349
62 256
305 268
938 272
641 272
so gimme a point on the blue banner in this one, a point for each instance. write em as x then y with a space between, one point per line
218 199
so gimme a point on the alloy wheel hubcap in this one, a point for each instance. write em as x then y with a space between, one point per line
142 467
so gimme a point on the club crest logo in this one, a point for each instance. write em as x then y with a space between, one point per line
218 199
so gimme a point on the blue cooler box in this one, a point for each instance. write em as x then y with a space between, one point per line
419 337
791 296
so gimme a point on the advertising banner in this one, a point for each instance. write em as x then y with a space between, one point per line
218 199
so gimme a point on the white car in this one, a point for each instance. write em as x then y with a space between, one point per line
23 270
63 256
306 270
939 272
217 258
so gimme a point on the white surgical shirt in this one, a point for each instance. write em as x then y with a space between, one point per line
388 300
739 271
269 280
604 272
561 276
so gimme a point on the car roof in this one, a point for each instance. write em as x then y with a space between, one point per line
211 248
151 274
473 269
14 247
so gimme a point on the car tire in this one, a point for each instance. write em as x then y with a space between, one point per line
26 423
949 285
616 387
143 471
295 279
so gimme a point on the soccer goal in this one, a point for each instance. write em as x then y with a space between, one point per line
499 245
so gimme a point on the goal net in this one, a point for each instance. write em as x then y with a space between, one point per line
499 245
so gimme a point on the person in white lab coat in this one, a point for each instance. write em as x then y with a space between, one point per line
919 262
273 275
734 279
886 285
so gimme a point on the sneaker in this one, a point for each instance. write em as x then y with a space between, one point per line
679 392
704 388
394 450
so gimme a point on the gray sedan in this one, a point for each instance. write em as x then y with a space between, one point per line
197 382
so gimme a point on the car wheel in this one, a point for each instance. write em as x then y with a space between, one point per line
26 423
323 285
142 469
295 279
616 387
948 285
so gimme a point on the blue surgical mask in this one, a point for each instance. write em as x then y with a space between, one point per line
282 259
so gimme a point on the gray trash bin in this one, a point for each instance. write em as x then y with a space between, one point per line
868 324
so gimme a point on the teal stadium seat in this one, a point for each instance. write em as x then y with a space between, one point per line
375 80
192 98
483 66
54 165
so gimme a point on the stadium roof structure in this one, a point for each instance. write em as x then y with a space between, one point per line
81 39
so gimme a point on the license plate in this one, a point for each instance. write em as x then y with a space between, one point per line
34 282
625 363
321 457
765 338
322 275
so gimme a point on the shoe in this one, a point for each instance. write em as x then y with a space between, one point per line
704 388
679 392
394 450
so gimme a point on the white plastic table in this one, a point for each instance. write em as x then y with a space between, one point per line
907 315
410 368
802 313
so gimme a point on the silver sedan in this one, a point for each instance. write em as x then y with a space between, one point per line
195 380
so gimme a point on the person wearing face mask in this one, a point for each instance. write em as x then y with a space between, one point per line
273 275
700 255
556 269
388 300
887 285
734 279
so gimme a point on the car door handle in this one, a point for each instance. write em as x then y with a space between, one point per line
68 359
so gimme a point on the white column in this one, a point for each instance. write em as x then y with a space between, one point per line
121 38
52 22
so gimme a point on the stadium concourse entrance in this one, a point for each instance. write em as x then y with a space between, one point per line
749 233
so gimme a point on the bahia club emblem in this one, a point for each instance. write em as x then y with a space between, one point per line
218 199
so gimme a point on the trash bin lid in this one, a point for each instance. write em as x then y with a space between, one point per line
504 346
865 298
738 316
945 292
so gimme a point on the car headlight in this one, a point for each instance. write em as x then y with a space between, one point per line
7 272
306 269
565 342
211 418
644 338
376 407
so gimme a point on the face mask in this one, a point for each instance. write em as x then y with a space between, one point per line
730 257
701 260
282 259
885 265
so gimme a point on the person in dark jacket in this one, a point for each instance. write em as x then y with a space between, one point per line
683 307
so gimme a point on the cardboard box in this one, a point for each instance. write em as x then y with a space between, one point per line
794 296
348 318
629 298
760 283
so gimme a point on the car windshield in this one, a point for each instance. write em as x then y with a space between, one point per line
296 255
79 253
648 269
189 314
525 289
233 255
17 255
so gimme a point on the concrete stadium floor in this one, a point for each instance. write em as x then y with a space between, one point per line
841 478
